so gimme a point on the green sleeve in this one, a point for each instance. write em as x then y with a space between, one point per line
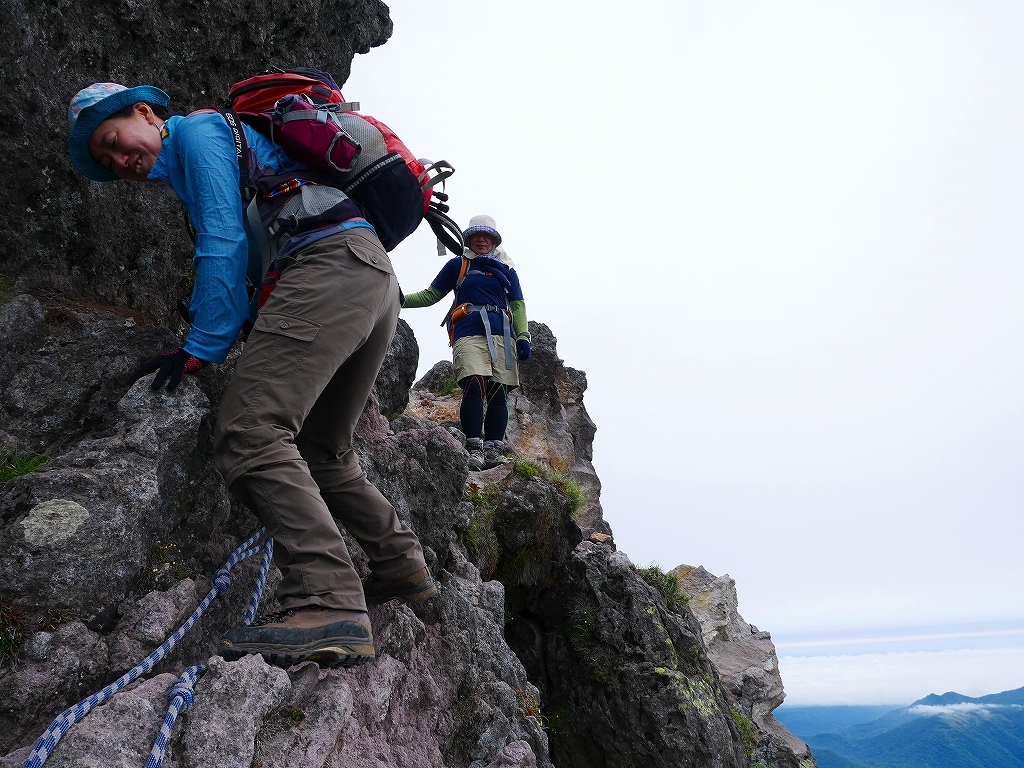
519 323
423 298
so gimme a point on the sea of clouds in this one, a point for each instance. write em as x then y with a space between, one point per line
899 678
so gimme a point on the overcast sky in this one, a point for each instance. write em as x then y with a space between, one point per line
784 242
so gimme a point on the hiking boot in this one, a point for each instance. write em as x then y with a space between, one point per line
327 636
418 586
475 446
493 456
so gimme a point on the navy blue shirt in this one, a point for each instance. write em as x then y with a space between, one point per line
488 281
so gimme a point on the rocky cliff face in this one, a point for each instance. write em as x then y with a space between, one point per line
112 544
545 646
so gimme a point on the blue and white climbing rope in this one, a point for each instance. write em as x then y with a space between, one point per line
221 582
179 699
261 580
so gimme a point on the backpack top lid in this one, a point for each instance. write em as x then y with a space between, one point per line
260 93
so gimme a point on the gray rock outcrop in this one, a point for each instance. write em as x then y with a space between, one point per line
110 547
746 659
391 390
625 680
547 418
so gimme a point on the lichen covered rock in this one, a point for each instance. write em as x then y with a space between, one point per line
625 681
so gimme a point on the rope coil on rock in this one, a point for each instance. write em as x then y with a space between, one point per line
221 582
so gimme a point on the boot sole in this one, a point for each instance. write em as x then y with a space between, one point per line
333 652
411 597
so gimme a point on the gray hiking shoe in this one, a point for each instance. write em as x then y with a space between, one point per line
410 589
327 636
475 447
493 456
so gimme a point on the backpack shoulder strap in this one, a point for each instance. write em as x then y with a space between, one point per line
241 152
455 297
462 275
253 223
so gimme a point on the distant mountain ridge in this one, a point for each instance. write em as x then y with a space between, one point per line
948 730
1016 696
807 722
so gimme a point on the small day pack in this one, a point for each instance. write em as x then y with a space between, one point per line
303 111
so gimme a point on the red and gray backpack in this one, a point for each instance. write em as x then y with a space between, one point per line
303 112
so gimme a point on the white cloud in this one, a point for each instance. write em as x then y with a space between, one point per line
899 678
955 712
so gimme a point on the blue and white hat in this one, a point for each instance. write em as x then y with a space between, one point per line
482 223
90 107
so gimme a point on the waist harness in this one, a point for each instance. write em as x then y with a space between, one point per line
464 310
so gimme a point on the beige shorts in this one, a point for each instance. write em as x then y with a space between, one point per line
471 357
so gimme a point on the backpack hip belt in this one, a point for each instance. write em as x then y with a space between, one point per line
483 309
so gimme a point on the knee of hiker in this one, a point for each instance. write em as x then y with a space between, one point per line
473 387
237 450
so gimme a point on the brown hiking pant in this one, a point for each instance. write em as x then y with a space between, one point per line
284 434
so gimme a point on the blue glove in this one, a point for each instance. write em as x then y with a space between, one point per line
523 349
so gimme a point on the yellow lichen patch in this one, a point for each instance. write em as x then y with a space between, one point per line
695 694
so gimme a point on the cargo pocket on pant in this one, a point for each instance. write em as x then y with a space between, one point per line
286 325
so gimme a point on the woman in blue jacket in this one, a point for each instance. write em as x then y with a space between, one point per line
283 439
488 313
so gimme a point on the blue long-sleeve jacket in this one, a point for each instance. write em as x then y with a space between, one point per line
198 161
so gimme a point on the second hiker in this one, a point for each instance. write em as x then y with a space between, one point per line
488 331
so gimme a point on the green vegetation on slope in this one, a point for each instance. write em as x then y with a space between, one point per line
667 584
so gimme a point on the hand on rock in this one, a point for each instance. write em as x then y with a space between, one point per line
523 349
169 367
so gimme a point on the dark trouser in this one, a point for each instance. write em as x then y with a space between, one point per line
284 435
471 411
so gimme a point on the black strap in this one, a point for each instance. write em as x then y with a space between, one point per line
446 230
250 211
241 152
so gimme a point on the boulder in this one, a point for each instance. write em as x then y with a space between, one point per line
521 534
64 376
76 536
232 700
120 733
22 321
391 389
440 377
